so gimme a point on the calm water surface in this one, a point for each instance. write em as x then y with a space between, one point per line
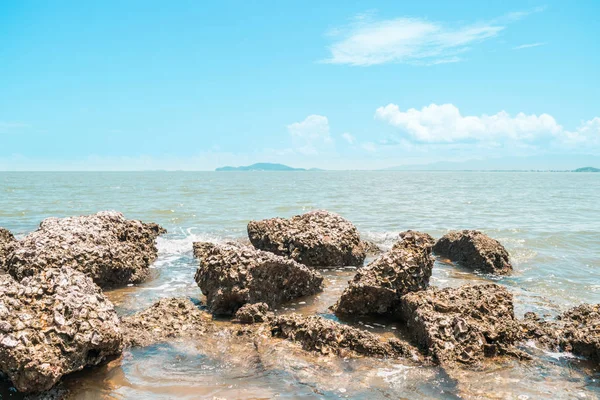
549 222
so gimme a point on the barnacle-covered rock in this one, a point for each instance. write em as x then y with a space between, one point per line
474 250
169 318
6 239
231 276
462 324
317 239
110 249
254 313
52 324
325 336
579 331
378 287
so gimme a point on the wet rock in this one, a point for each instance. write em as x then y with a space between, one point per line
539 330
231 276
166 319
474 250
316 239
110 249
371 248
6 239
579 331
462 325
253 313
325 336
378 287
52 324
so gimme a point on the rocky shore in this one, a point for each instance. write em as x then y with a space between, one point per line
55 319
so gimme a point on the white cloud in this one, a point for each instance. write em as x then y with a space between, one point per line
528 46
348 137
310 134
367 41
444 123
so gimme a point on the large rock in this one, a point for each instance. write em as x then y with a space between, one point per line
378 287
462 324
231 276
579 331
52 324
474 250
110 249
6 239
166 319
325 336
316 239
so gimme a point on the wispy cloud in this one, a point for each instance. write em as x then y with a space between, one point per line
348 137
310 134
529 45
367 41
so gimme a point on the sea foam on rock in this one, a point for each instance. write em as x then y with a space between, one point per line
231 276
317 239
51 324
378 287
110 249
462 324
475 250
6 239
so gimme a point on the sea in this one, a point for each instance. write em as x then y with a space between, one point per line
548 221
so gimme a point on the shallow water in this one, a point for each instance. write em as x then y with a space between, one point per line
549 222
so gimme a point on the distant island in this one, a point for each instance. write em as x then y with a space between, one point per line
265 167
587 169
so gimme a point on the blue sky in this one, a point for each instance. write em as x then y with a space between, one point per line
337 84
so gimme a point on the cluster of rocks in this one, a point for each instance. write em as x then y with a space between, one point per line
231 276
110 249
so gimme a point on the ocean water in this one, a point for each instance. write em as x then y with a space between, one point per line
549 223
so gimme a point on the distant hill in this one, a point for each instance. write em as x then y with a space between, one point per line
265 167
587 169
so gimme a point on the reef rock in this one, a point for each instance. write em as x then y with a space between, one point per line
378 287
166 319
52 324
316 239
474 250
462 324
254 313
6 239
231 276
325 336
578 331
105 246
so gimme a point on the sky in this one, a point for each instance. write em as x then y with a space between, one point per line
139 85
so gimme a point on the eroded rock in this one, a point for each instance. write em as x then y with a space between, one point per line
166 319
52 324
462 324
231 276
378 287
474 250
110 249
579 331
325 336
6 239
317 239
253 313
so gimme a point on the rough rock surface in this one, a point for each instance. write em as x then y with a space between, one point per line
52 324
580 331
371 248
166 319
378 287
232 276
323 335
462 324
316 239
254 313
474 250
6 239
105 246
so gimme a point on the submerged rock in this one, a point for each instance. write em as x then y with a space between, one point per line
231 276
166 319
316 239
323 335
378 287
52 324
105 246
6 239
462 324
254 313
474 250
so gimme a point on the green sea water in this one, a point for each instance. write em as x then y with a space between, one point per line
549 223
